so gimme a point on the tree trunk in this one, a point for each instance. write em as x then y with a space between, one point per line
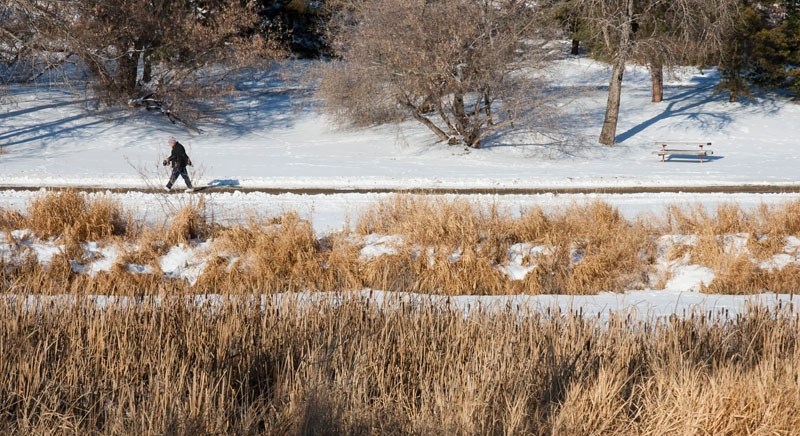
608 134
428 123
488 109
576 45
126 73
468 128
147 65
460 113
473 139
657 80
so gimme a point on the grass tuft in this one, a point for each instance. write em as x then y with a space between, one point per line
69 213
188 223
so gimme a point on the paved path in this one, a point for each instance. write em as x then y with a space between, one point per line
727 189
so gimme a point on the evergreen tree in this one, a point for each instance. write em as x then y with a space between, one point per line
792 35
764 49
299 25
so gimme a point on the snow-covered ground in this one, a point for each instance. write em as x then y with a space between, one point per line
273 136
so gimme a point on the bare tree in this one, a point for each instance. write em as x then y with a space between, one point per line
452 65
25 53
162 53
653 32
10 39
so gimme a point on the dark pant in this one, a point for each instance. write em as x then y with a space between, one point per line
179 171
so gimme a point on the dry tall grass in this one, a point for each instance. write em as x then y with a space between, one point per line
69 214
355 369
442 247
10 220
280 255
737 266
189 222
596 249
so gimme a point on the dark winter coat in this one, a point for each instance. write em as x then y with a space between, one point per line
178 158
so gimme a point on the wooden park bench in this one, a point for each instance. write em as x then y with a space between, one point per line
683 148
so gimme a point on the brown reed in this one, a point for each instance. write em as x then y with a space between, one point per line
351 368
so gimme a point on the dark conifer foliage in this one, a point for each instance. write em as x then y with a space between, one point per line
298 24
764 49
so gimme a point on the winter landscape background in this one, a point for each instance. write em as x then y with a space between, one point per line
325 279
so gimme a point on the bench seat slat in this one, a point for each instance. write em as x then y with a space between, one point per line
671 151
695 143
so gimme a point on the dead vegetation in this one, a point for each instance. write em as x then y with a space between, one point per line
69 214
405 244
350 368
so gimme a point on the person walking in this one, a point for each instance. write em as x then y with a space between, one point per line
179 161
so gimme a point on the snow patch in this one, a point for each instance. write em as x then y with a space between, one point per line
689 278
379 245
102 259
523 258
186 261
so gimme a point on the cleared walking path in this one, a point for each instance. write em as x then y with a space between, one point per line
727 189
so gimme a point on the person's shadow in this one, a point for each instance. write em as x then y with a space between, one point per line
224 182
218 183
